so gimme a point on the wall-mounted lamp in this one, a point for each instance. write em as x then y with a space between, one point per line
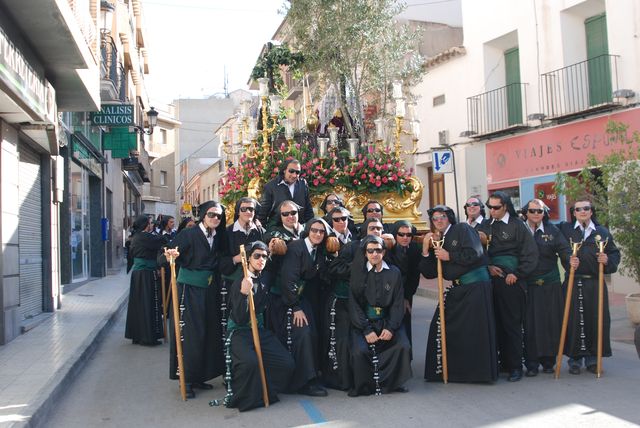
106 15
152 115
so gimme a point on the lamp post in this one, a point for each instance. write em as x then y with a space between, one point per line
152 117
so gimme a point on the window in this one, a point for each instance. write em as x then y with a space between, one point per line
162 137
439 100
163 178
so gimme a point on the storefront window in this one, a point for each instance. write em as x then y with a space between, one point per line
514 193
80 235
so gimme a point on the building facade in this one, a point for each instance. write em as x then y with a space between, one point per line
528 95
49 63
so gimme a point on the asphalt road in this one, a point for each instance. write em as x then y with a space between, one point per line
126 386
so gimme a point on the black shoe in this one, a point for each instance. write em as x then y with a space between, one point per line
531 372
402 389
352 393
313 390
190 393
574 370
201 385
515 375
548 370
593 368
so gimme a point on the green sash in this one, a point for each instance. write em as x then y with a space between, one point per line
342 289
144 264
553 276
231 325
510 262
376 312
475 275
237 274
197 278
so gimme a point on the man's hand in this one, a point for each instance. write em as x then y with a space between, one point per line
511 279
495 271
245 286
386 335
603 258
442 254
300 319
371 337
574 262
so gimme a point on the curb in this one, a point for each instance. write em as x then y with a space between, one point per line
427 292
49 395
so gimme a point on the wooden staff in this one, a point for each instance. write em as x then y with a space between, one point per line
254 329
176 325
443 330
164 305
575 246
601 245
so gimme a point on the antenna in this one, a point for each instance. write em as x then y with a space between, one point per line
226 83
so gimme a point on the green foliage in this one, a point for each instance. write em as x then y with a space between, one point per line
613 184
356 45
268 65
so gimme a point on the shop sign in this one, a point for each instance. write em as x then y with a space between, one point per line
113 115
546 192
552 150
21 78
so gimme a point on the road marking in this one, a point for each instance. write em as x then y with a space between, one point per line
313 412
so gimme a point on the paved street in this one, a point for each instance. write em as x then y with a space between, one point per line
125 385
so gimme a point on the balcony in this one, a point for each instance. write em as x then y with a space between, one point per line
112 82
498 111
580 88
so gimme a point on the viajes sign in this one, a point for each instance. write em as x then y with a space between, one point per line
113 115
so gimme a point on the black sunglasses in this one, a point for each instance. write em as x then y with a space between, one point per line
258 256
294 171
339 219
374 228
288 213
314 230
578 209
374 210
495 207
375 250
438 217
245 209
472 204
215 215
535 211
405 235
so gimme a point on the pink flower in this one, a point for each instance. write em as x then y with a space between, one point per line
323 180
385 179
315 181
371 180
394 177
378 183
356 182
371 163
332 181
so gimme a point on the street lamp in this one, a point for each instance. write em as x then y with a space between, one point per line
106 15
152 116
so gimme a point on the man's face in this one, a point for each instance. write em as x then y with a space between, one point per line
535 213
292 172
316 233
289 216
212 217
374 210
404 235
247 212
496 208
170 225
374 228
582 211
258 260
440 221
472 208
374 253
332 201
339 221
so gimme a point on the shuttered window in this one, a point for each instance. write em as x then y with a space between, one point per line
599 67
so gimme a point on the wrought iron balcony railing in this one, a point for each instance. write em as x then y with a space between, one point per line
580 87
496 111
112 71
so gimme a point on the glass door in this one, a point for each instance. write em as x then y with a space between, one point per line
80 237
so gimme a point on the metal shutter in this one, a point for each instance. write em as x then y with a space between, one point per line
30 233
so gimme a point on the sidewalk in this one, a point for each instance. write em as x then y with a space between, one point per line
622 329
36 367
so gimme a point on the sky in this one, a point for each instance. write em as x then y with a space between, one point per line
192 42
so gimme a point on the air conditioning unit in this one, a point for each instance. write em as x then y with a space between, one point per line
443 137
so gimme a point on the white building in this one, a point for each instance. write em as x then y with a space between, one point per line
528 95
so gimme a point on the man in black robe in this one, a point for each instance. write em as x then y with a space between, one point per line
405 255
381 353
582 330
243 231
199 250
513 256
469 318
288 185
373 209
545 301
296 315
144 311
244 384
